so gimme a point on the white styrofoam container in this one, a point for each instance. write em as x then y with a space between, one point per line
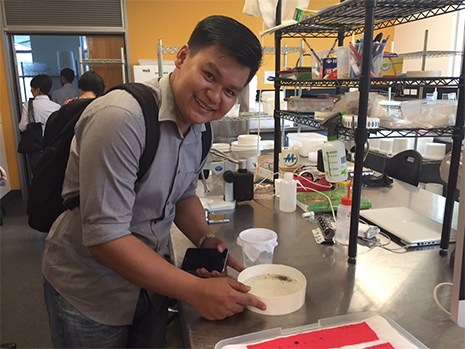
277 305
306 142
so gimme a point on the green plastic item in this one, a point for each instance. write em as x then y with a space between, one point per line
317 202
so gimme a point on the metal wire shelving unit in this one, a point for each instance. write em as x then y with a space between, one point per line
354 17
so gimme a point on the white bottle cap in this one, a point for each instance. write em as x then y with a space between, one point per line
288 175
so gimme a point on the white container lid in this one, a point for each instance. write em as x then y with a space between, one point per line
225 147
248 139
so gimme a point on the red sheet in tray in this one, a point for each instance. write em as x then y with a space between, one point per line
329 338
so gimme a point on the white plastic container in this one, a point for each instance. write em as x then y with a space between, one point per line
288 193
343 221
429 113
434 151
280 287
343 67
306 142
334 160
385 146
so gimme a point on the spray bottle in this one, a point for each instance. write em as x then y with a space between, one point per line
334 152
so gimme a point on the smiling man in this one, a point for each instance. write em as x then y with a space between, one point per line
106 278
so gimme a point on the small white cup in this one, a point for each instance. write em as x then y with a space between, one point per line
385 146
400 144
257 246
435 151
434 188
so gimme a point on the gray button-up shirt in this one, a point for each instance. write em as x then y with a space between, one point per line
102 168
64 93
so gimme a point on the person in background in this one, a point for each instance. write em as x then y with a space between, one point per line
68 91
106 279
42 106
91 85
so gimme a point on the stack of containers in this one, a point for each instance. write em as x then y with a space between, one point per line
247 147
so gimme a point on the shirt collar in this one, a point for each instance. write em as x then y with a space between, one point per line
168 109
41 97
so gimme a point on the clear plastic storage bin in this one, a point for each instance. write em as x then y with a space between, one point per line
308 105
429 113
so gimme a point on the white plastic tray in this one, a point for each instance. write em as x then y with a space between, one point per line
389 331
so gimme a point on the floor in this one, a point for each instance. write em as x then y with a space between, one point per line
24 318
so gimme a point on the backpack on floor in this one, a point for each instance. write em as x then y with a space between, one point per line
45 203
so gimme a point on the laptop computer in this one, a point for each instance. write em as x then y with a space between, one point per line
409 227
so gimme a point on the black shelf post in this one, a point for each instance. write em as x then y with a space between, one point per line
454 165
277 89
361 130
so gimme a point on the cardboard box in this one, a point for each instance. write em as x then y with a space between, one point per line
329 68
391 65
302 14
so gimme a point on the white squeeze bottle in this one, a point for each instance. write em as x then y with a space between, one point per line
287 193
334 156
343 219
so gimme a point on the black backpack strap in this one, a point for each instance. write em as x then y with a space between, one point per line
206 140
144 95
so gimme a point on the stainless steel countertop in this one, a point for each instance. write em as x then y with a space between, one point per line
399 285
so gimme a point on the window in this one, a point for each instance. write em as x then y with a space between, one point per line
24 60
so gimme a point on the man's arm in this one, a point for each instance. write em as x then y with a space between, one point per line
190 219
213 298
24 120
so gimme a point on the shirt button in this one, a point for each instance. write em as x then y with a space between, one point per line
179 171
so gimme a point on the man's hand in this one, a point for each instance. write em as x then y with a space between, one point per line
220 245
219 298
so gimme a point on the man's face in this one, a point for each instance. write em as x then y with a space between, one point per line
206 86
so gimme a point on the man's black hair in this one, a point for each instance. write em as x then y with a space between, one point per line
68 74
43 82
91 81
230 34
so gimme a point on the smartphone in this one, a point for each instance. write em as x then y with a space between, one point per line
208 258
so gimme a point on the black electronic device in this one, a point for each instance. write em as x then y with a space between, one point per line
208 258
326 227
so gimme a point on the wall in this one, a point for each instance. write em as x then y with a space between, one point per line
173 21
442 36
10 149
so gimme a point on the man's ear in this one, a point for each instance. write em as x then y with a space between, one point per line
181 56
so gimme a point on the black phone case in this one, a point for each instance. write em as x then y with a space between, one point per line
208 258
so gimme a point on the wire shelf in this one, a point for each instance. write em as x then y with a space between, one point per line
309 120
380 81
430 54
349 16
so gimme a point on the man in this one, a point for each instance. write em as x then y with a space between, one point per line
42 106
106 276
68 91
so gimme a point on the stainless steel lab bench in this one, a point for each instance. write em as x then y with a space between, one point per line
399 285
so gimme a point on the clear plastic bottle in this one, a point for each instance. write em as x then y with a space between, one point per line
334 160
288 193
334 153
343 219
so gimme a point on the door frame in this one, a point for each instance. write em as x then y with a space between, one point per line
11 73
